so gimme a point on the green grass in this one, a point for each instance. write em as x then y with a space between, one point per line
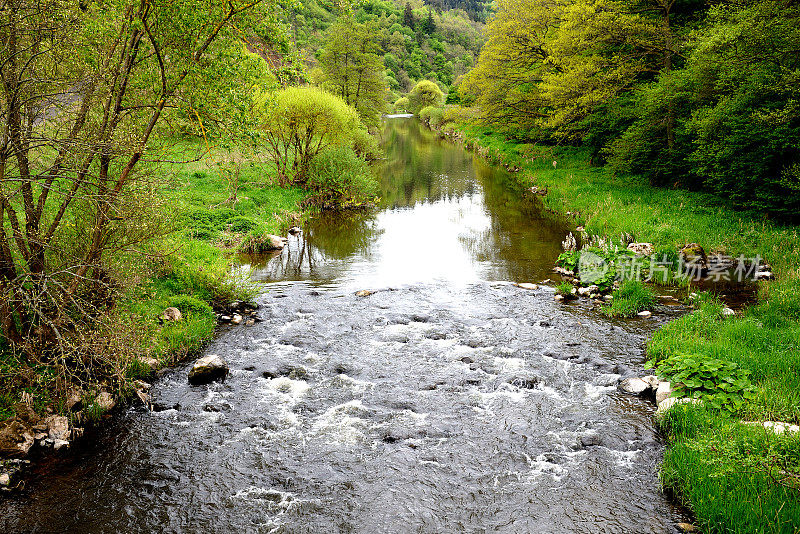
734 491
631 298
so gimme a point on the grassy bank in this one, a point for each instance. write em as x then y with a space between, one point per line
189 268
734 477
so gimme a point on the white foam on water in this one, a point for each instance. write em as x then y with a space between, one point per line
288 387
540 467
342 423
595 392
624 458
504 391
348 382
509 364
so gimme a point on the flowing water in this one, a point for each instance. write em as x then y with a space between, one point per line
449 400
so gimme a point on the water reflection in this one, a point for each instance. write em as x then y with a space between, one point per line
444 215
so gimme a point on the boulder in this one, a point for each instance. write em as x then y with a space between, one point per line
652 380
57 427
59 444
74 402
16 438
559 298
274 242
294 230
635 386
105 401
236 319
663 392
667 404
171 314
694 257
364 293
641 249
153 363
728 312
207 369
645 314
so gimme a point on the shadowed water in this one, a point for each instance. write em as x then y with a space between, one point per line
449 400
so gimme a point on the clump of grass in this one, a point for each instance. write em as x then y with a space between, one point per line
631 298
565 289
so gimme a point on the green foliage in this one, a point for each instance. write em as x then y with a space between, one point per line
631 298
565 289
431 116
402 104
354 69
241 224
339 178
301 122
722 384
189 305
425 93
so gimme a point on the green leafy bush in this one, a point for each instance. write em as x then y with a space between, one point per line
431 115
631 298
425 93
339 178
365 145
722 384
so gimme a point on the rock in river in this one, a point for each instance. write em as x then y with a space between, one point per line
207 369
635 386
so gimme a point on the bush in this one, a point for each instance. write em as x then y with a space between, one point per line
320 119
425 93
432 116
366 146
339 178
631 298
402 105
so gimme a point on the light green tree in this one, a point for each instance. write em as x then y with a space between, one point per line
353 67
425 93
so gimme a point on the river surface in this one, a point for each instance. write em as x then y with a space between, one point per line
449 400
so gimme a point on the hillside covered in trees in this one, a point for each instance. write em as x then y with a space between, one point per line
682 93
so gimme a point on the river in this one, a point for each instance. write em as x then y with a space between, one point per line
449 400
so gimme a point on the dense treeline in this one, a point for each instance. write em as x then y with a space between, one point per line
685 93
414 41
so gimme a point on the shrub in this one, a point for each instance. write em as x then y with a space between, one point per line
366 146
402 105
631 298
301 122
431 115
340 178
425 93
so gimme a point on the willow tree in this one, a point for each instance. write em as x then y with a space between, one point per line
84 87
354 69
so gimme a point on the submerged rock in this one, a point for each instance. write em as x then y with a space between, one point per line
207 369
526 285
364 293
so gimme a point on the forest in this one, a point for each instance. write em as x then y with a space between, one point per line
147 146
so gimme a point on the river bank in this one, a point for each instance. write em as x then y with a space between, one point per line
215 205
735 477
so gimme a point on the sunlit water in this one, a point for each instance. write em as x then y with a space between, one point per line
449 400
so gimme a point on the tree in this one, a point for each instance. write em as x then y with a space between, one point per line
408 17
84 87
429 26
425 93
300 122
353 68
